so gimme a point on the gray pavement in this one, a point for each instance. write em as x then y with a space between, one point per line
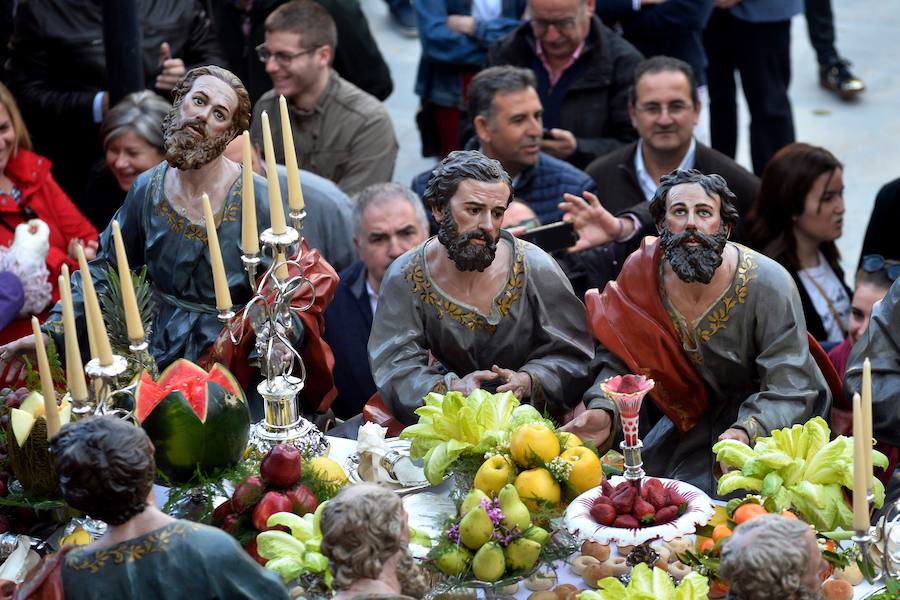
862 134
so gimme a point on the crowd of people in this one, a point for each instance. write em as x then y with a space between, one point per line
724 284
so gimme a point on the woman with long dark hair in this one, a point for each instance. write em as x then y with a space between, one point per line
797 216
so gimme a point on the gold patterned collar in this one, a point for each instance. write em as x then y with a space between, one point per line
416 272
694 335
130 550
179 223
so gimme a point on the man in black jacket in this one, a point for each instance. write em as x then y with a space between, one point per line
583 72
57 70
664 109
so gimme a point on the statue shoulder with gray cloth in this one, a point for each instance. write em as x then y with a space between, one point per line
474 307
716 325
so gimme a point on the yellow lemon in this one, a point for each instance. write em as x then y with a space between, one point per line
79 537
586 471
533 440
537 485
328 469
570 440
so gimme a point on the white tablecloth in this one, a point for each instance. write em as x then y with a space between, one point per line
427 509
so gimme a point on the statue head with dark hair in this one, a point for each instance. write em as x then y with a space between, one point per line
192 141
693 254
105 468
444 186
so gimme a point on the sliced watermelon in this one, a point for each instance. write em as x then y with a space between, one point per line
194 419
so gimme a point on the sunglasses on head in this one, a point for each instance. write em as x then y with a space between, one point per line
873 263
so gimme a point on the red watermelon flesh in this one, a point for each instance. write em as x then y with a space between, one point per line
185 377
196 420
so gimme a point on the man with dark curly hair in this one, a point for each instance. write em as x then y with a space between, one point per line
772 557
475 307
365 535
105 469
717 326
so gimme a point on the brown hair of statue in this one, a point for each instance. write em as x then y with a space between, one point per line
105 467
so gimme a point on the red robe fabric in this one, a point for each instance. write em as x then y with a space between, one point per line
629 319
319 387
31 175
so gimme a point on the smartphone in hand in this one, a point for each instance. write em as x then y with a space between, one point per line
552 237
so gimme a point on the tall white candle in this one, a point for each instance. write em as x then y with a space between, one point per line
860 502
295 192
249 231
220 278
50 409
866 405
276 208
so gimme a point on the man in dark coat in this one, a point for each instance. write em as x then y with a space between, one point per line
388 220
583 72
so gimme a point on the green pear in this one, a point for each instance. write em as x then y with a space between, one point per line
454 561
476 528
472 500
537 534
522 553
489 564
515 513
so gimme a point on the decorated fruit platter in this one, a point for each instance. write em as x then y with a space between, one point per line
618 512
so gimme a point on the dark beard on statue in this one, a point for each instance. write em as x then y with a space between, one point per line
693 263
466 256
186 150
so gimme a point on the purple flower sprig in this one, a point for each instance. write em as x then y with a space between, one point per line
453 533
493 510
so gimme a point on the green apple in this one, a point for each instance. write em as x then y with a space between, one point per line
493 474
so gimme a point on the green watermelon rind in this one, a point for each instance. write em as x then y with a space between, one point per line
183 442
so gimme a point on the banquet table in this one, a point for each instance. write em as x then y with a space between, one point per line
427 508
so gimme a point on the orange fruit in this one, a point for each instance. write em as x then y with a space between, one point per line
707 546
721 531
748 511
789 515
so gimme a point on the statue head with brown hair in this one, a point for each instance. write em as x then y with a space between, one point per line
211 107
365 536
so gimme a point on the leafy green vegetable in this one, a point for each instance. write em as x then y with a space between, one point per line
451 425
799 467
649 585
293 554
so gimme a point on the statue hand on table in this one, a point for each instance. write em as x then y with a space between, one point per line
519 383
733 434
472 381
594 425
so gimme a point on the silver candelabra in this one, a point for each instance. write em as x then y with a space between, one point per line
270 313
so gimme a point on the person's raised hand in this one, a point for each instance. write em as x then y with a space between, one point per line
463 24
594 425
594 224
11 356
517 382
733 434
90 249
472 381
561 143
171 70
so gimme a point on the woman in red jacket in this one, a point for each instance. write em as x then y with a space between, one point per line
28 191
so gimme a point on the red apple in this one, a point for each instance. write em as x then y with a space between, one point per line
302 500
281 466
222 511
271 503
246 494
250 547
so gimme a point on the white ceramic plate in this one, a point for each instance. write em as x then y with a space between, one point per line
579 522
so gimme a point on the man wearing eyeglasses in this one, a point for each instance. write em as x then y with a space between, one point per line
664 107
583 71
340 132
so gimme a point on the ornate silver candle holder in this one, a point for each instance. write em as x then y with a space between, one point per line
104 387
271 316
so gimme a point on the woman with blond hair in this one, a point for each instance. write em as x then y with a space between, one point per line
28 192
